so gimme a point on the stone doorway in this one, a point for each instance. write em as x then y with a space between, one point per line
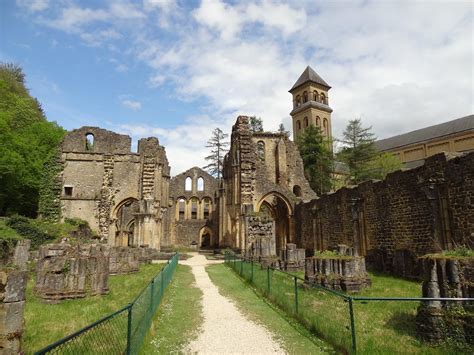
277 207
124 218
205 238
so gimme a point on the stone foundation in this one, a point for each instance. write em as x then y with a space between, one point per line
341 273
67 271
292 259
13 279
124 260
440 321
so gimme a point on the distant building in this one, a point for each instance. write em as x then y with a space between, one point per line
414 147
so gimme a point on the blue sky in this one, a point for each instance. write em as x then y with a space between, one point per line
178 69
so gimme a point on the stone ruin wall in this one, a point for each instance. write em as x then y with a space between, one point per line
260 237
394 221
13 279
66 271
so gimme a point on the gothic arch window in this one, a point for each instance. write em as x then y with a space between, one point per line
325 126
318 121
200 184
194 208
297 191
298 124
206 207
306 122
305 96
181 208
89 142
323 98
315 95
188 184
261 150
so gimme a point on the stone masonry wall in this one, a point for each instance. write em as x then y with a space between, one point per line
13 278
392 222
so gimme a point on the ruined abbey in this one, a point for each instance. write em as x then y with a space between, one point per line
263 200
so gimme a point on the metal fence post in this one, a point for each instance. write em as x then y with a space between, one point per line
296 295
268 280
152 293
129 330
353 330
251 270
241 266
162 283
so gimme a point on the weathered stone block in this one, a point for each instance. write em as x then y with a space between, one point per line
15 286
123 260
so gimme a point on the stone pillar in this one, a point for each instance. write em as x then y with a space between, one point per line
13 278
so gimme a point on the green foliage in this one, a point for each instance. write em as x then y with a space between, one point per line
27 141
256 124
317 159
218 145
50 188
8 239
358 150
383 164
29 230
461 250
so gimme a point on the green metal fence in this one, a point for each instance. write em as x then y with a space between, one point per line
122 331
353 323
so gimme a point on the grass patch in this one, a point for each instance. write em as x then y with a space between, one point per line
178 317
293 337
47 323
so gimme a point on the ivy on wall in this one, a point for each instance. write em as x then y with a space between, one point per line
50 188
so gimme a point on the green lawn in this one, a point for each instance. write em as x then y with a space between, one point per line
178 318
294 338
382 327
46 323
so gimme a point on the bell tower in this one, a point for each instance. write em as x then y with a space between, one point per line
311 104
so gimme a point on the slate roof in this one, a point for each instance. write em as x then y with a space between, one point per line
440 130
309 75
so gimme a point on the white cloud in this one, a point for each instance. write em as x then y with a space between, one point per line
72 18
217 15
33 5
132 104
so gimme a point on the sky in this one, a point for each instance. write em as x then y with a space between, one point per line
178 69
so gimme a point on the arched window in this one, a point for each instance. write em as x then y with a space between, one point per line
297 191
305 96
89 141
194 208
325 126
207 208
181 208
315 95
323 98
261 150
318 121
188 184
298 124
298 100
306 121
200 184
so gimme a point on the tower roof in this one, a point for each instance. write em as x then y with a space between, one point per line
309 75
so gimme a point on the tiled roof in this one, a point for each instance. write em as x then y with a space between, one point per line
309 75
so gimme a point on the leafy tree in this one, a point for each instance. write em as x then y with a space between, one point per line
256 124
218 145
317 159
282 130
358 150
27 140
382 164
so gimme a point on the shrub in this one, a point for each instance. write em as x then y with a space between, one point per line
27 229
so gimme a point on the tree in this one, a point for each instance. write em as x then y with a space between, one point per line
358 150
27 141
282 130
317 159
218 147
383 164
256 124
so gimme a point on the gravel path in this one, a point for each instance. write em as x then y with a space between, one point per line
225 329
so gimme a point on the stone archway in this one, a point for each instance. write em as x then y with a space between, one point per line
124 217
275 206
205 238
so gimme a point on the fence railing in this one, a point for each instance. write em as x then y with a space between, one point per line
122 331
351 323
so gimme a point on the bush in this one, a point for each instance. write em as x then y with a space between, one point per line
27 229
8 240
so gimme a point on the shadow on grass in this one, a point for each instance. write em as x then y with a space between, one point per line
403 323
